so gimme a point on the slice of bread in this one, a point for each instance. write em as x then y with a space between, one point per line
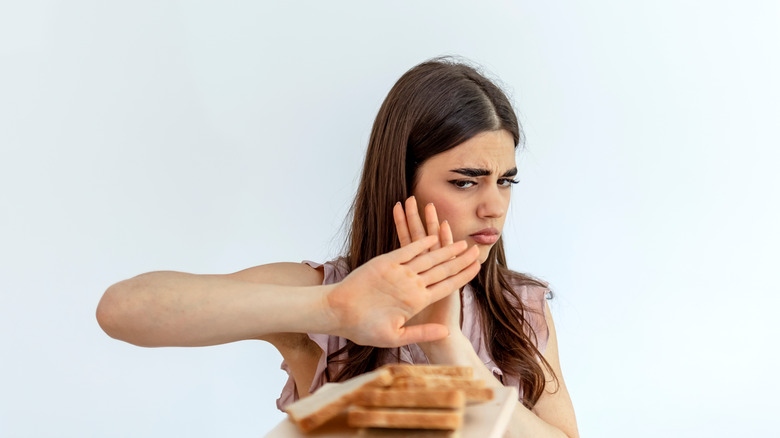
411 398
405 418
478 395
403 369
437 382
475 390
332 398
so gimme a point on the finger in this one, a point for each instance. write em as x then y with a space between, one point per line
455 282
411 251
432 223
451 267
422 333
445 234
413 221
428 260
400 224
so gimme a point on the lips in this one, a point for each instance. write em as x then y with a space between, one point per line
488 236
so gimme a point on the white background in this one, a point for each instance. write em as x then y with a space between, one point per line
209 137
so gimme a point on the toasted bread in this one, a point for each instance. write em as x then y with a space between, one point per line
411 398
477 395
332 398
436 382
397 396
475 390
396 418
402 369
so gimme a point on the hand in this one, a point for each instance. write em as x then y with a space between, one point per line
372 305
410 229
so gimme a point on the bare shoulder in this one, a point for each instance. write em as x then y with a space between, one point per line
285 274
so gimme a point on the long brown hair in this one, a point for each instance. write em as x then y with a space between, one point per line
434 107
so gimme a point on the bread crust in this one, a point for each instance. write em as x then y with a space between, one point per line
405 418
402 369
310 412
411 398
478 395
474 390
437 382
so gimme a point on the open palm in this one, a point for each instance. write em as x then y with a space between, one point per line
374 303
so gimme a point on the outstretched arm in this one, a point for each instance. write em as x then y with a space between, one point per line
370 306
180 309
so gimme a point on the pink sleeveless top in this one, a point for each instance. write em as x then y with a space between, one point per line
533 298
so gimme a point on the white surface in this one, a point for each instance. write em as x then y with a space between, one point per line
210 137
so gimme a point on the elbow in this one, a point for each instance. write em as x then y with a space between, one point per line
109 310
117 310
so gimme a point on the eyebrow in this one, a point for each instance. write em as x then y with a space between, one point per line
474 172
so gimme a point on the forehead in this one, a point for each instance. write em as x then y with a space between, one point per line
492 150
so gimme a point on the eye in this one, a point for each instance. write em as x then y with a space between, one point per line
462 183
507 182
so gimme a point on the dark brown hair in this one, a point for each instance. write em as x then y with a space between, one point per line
434 107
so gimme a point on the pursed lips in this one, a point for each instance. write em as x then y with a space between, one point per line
487 236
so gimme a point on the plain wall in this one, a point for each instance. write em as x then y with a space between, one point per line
208 137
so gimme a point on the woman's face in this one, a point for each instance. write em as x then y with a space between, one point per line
470 186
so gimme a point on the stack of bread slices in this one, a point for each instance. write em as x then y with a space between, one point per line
396 396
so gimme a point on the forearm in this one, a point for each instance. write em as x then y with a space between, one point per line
179 309
457 350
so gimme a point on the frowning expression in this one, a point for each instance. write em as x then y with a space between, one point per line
470 186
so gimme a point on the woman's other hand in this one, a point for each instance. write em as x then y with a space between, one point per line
409 227
374 303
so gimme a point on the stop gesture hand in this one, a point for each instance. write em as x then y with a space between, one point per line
374 303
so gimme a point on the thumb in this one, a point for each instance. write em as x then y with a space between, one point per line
414 334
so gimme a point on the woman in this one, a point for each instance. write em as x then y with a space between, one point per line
430 287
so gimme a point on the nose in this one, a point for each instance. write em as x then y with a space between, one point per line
493 203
